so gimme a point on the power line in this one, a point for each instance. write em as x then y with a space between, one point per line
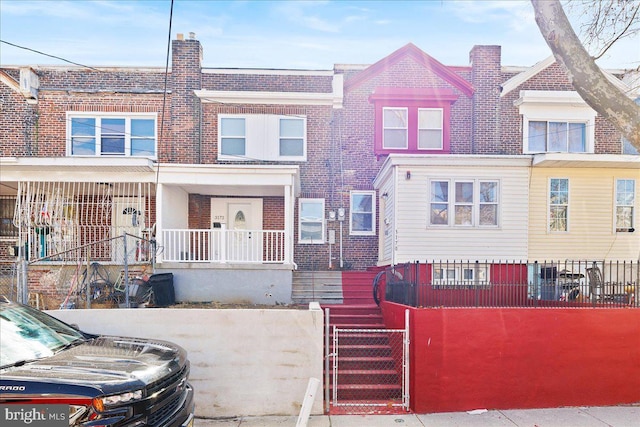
46 54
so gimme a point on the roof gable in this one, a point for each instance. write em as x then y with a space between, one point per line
412 51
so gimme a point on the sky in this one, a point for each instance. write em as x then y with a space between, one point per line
293 34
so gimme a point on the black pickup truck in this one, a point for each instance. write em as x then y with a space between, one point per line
102 380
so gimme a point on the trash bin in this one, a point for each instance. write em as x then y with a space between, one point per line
163 292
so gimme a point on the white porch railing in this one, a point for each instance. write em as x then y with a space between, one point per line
222 245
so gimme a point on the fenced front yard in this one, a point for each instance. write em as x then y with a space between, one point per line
584 283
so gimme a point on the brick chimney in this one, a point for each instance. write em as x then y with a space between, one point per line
186 77
486 77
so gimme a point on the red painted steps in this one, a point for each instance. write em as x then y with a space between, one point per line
357 287
367 376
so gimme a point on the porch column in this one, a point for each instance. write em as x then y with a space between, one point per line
288 223
159 222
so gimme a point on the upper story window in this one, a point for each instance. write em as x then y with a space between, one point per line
363 213
625 204
412 120
111 135
564 137
311 221
466 203
558 204
556 121
262 137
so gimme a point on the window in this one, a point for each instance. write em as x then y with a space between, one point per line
460 274
562 137
7 206
430 129
232 136
473 203
112 135
556 121
558 204
395 128
625 203
311 221
262 137
363 213
413 120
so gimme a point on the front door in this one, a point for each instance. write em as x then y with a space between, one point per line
242 220
128 219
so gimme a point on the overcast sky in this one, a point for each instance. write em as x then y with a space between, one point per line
275 34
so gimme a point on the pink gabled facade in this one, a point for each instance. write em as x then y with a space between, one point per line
251 175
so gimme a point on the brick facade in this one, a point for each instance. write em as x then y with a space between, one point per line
340 141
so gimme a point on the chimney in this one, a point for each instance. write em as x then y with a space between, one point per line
486 77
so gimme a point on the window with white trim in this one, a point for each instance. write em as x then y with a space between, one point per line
558 204
111 134
556 121
464 203
563 137
395 128
460 274
625 204
363 213
430 128
262 137
311 224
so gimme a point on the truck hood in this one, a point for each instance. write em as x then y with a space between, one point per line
106 364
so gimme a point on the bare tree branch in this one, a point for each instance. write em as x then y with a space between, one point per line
587 78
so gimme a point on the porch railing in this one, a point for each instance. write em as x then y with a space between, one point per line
223 246
583 283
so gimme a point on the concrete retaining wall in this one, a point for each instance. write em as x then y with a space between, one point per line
243 362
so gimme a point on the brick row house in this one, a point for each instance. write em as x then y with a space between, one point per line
249 178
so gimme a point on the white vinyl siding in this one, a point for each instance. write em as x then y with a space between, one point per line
258 137
412 237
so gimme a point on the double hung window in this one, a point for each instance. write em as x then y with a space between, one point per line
558 204
625 204
262 137
395 123
112 135
465 203
311 221
430 128
363 213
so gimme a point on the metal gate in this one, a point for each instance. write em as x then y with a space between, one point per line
370 370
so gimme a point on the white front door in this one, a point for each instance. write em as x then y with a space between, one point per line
242 219
128 217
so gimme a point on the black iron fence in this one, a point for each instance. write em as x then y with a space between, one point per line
583 283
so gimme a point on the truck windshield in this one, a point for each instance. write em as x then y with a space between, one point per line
29 334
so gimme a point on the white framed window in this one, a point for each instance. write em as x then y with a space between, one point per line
558 204
460 274
233 136
258 137
625 204
395 128
311 224
363 213
430 128
464 203
556 121
563 137
106 134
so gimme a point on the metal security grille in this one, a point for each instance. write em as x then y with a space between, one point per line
370 372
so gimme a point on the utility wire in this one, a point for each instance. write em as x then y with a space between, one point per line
164 97
46 54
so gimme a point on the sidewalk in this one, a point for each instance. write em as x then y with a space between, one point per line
610 416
